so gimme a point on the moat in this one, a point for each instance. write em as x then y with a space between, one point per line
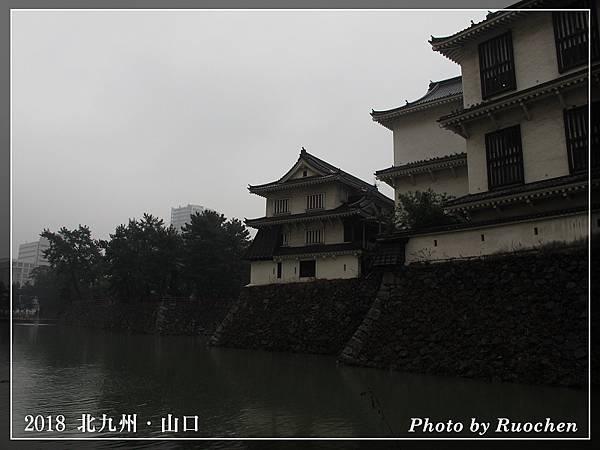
248 393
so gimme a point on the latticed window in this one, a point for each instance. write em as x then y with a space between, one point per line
595 138
314 201
496 65
314 236
280 206
579 138
504 157
576 133
572 35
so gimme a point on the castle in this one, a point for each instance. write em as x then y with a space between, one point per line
507 141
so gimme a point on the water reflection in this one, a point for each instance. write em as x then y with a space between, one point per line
62 370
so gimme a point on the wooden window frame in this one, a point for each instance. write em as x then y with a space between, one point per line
314 233
489 52
564 24
504 167
595 135
281 201
302 273
310 203
577 137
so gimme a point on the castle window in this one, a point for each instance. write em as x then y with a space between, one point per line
314 201
314 236
576 134
504 157
284 239
571 35
279 270
281 206
308 268
304 173
348 231
595 138
496 66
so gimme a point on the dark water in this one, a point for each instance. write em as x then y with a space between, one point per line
239 393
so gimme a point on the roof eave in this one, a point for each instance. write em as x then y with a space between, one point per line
512 198
455 120
385 117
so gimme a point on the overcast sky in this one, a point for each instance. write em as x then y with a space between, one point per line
120 113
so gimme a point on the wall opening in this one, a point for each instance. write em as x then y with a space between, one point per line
308 268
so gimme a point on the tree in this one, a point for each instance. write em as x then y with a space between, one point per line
143 259
46 289
212 260
76 259
423 209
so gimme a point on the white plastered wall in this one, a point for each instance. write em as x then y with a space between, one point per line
534 54
542 138
332 232
455 184
334 195
496 239
418 135
327 267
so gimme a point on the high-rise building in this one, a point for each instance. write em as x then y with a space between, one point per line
21 271
33 252
182 215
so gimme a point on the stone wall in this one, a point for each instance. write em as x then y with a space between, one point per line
313 317
520 318
199 317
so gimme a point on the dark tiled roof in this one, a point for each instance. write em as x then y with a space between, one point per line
579 181
343 210
438 92
318 248
446 160
330 173
517 97
264 244
390 253
365 206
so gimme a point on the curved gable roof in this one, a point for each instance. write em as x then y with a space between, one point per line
326 173
438 92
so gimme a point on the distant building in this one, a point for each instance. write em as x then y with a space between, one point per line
33 252
320 222
21 271
182 215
